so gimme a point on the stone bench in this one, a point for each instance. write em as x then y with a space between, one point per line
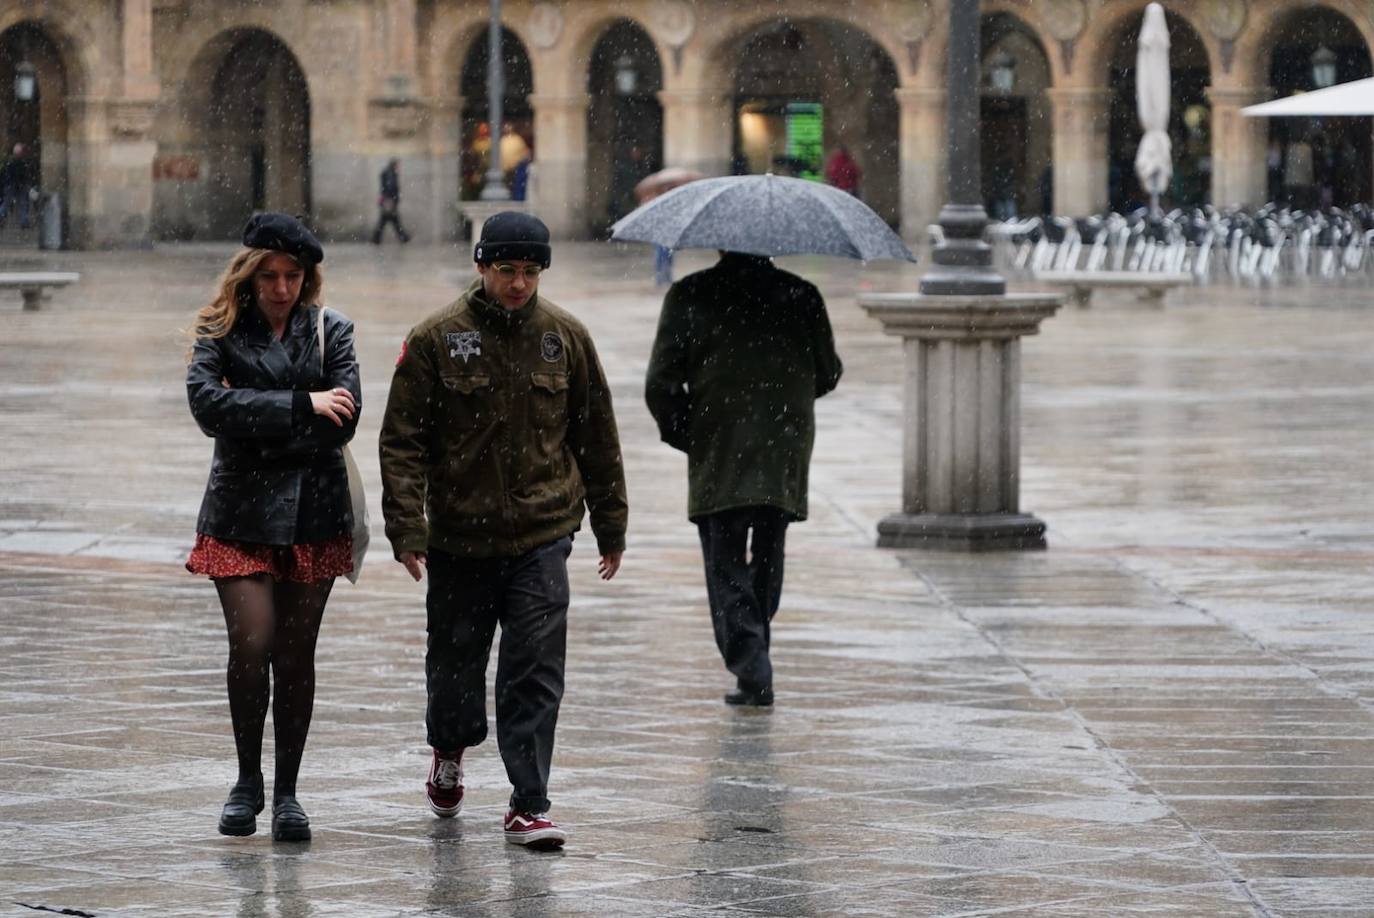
1152 285
31 284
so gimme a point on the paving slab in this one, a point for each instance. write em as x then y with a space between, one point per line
1168 712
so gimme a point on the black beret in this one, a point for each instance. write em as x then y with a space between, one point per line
283 233
516 236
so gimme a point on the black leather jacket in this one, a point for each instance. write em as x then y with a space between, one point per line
278 476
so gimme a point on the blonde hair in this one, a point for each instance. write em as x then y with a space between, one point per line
234 292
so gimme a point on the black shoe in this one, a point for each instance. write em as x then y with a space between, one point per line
763 698
289 822
241 809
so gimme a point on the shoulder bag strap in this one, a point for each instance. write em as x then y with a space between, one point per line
320 329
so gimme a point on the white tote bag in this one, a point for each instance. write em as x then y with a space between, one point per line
362 533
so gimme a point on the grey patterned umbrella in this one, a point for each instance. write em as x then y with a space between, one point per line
763 215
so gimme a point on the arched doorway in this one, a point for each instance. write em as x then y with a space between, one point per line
1318 162
1016 120
33 111
624 121
517 116
803 88
250 135
1190 119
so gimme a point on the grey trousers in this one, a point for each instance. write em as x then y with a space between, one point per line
744 586
528 597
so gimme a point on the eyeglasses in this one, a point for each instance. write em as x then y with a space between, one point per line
509 271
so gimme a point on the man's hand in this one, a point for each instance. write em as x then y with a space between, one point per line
609 564
416 561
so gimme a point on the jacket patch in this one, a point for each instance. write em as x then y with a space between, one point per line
551 346
464 344
402 356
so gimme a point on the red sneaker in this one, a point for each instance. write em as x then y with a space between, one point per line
445 785
534 829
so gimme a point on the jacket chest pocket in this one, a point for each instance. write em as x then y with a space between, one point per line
468 400
548 399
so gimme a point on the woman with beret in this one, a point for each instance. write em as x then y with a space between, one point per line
274 525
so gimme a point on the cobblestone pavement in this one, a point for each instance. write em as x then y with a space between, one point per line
1169 712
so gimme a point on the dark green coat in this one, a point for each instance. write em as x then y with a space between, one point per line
498 428
743 351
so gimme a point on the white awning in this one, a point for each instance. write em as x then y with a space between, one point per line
1354 98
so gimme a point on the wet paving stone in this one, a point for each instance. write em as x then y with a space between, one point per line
1170 712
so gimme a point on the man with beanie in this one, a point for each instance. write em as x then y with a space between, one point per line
498 431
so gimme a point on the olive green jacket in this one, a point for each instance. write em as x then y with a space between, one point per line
743 351
498 428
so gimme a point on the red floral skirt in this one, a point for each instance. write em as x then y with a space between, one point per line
304 563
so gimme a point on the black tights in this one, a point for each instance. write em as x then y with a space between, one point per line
272 625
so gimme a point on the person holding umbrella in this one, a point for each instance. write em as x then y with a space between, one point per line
743 350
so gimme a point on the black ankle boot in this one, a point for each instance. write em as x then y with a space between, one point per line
289 822
760 698
241 809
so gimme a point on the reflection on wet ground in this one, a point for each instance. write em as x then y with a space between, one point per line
1169 712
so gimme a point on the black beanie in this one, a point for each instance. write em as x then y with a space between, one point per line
516 236
283 233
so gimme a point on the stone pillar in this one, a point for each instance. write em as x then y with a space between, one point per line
109 201
961 445
400 48
925 158
137 21
558 177
1080 149
444 153
697 129
1239 148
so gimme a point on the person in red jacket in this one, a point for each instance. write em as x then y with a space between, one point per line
843 172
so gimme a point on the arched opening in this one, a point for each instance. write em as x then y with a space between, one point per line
1190 119
33 115
805 88
624 121
248 147
517 118
1016 120
1318 162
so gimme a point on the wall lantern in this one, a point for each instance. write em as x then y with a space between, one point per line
1002 72
25 82
1324 67
626 77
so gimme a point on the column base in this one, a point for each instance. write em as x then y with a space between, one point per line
962 531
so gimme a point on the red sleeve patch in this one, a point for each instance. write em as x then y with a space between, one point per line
401 356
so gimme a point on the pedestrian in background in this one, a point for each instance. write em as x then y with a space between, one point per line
17 180
743 350
389 203
842 171
498 431
275 522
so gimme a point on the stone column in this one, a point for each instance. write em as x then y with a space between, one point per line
1239 147
139 80
400 48
961 444
112 151
1080 149
924 158
444 151
697 129
558 179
